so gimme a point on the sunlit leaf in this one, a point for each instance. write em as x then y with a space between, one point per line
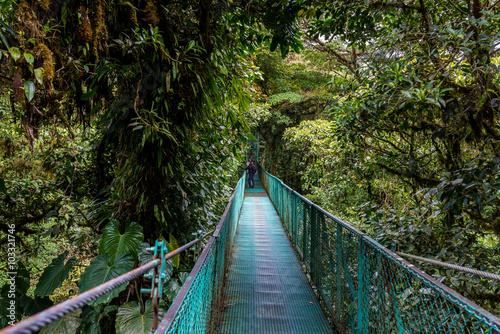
114 243
130 319
15 53
29 58
39 74
173 245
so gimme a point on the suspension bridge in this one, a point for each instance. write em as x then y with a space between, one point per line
278 263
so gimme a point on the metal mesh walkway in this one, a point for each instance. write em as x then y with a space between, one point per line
266 290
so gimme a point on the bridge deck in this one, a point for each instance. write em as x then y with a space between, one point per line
266 290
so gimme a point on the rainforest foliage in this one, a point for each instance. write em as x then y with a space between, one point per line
128 121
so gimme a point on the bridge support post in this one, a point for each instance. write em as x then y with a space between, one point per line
314 244
363 288
340 271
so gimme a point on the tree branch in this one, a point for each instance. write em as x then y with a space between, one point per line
403 6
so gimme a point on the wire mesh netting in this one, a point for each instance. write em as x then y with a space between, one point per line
200 296
366 287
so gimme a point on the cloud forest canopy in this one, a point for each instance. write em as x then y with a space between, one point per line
128 118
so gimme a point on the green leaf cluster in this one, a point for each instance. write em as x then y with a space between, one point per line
117 253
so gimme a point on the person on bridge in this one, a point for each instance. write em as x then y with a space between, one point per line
251 172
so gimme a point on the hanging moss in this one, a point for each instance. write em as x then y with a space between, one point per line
26 24
45 4
47 59
83 33
100 29
133 17
151 13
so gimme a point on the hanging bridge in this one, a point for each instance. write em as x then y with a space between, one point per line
249 279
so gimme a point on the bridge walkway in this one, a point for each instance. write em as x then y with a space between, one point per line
266 290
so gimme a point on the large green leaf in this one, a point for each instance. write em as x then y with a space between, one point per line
54 275
114 243
169 268
174 286
32 306
3 188
145 255
29 90
103 269
22 279
171 289
130 319
90 317
65 325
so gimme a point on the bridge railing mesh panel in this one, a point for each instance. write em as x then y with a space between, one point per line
366 287
198 304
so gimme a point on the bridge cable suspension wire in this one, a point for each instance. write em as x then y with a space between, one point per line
45 317
452 266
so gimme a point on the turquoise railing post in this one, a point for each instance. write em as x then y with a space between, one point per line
363 274
300 230
293 229
323 253
338 275
315 238
307 223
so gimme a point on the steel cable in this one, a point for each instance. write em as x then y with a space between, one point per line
452 266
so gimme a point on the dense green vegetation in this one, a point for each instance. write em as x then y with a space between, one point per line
129 120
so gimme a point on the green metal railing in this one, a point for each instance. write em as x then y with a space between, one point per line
197 307
366 287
